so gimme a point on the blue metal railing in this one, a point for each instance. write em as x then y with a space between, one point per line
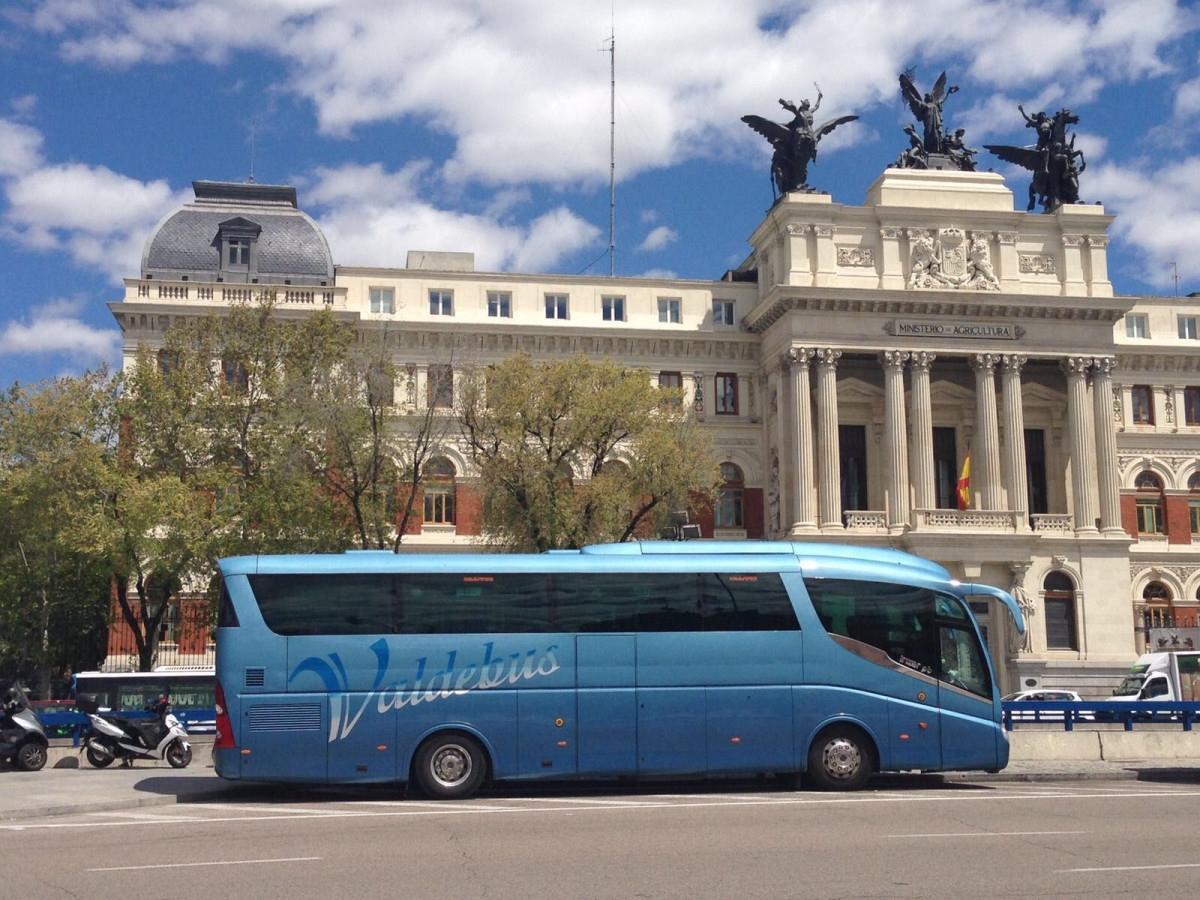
1090 712
75 724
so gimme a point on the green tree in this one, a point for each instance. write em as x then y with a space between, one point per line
56 443
574 452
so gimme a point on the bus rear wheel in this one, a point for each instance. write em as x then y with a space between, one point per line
840 759
450 766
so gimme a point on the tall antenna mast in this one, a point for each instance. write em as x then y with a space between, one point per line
1175 275
253 124
612 152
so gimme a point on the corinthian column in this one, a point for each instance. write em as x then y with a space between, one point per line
1106 446
829 485
798 413
922 431
1078 423
895 439
1015 477
985 458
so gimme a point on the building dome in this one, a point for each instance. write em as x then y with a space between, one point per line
239 233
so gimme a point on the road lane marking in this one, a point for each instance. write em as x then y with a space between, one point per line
987 834
222 862
1128 868
682 803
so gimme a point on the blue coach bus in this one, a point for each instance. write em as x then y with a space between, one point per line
633 659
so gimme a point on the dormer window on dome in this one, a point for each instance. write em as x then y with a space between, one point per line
237 240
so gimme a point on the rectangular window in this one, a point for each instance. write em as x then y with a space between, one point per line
669 310
1187 328
1135 326
439 504
239 253
945 468
1060 623
1191 405
1142 404
556 306
672 380
1149 515
499 304
612 309
728 513
1035 470
726 394
441 303
440 387
383 300
1194 513
852 445
723 312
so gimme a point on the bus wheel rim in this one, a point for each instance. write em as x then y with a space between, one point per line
451 765
842 758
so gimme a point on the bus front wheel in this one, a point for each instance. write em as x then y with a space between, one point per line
840 759
450 766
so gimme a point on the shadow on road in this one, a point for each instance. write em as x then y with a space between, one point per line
1179 775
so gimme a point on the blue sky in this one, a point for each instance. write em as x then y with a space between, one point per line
484 126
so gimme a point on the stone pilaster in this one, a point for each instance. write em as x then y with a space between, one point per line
1015 476
921 458
829 485
895 440
985 455
800 266
797 412
1072 274
826 254
1079 421
1107 473
1009 268
891 264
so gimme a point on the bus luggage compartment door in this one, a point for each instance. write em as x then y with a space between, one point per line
284 737
606 700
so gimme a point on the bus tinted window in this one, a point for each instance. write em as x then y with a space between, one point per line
896 618
512 603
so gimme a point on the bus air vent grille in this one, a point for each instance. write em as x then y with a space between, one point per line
256 676
291 717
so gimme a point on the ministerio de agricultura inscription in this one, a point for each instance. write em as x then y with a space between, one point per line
953 328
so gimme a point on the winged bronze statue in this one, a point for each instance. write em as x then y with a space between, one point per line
928 110
795 143
1054 161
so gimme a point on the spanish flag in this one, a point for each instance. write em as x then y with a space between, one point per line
964 484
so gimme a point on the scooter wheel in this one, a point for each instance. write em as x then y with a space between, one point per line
178 755
31 756
99 755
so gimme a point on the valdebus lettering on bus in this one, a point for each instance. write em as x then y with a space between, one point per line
448 681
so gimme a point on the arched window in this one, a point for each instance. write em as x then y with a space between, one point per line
730 507
439 492
1159 607
1149 503
1059 602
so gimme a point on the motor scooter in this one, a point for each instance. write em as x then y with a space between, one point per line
116 737
22 738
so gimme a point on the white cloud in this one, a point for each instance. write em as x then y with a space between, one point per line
55 328
522 87
1187 100
1158 213
20 148
97 216
372 217
659 238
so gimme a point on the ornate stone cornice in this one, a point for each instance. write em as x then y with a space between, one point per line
957 304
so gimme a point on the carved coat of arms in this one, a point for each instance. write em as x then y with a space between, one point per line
951 260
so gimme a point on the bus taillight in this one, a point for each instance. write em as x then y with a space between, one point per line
224 739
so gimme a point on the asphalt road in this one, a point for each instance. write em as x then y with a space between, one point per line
900 838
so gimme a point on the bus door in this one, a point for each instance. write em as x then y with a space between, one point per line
968 711
606 703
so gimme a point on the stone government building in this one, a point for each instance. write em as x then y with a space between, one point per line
846 369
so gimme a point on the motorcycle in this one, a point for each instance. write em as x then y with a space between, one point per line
22 738
115 737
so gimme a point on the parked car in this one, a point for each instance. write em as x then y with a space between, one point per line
1044 696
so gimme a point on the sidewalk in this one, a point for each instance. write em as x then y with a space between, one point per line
73 791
